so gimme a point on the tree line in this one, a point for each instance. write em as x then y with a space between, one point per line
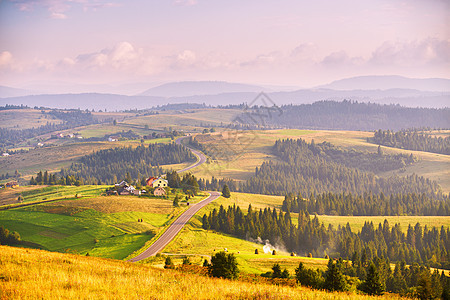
107 166
412 140
367 204
346 115
375 277
423 245
113 165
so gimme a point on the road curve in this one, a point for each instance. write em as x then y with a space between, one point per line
173 229
201 158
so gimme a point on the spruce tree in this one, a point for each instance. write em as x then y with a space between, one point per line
373 285
334 279
226 191
276 271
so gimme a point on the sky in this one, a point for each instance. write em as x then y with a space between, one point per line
285 42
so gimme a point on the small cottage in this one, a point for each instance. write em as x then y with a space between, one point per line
159 191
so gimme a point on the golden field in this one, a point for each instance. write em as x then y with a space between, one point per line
37 274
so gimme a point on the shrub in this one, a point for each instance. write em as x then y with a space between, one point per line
224 265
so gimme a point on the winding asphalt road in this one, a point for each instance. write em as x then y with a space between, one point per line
179 223
173 229
201 158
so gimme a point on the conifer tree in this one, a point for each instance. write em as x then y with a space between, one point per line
226 191
334 279
373 285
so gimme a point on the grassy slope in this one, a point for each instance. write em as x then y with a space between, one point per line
25 274
25 118
103 226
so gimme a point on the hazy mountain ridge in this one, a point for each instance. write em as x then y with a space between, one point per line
389 82
224 93
193 88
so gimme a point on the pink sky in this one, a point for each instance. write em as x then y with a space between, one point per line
300 43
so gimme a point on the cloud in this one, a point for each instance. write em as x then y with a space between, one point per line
59 8
60 16
5 58
122 56
427 51
185 2
304 51
262 60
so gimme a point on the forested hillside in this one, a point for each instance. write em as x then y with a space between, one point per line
345 115
412 140
310 169
419 245
112 165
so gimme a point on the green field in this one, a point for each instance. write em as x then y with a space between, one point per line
105 226
62 229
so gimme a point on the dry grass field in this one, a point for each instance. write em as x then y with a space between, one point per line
36 274
357 222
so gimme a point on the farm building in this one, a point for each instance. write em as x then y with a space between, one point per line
12 184
150 180
160 183
159 191
124 188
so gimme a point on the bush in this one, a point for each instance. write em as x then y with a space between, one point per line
169 263
224 265
186 261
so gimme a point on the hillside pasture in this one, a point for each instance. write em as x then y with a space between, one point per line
77 229
25 119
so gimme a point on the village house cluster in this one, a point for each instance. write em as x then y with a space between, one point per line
158 184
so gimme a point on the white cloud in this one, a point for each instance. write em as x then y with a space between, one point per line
121 56
60 16
5 58
427 51
185 2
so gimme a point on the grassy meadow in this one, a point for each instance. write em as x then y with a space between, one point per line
33 274
105 226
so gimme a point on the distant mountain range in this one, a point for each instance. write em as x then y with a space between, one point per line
389 82
6 92
432 93
195 88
